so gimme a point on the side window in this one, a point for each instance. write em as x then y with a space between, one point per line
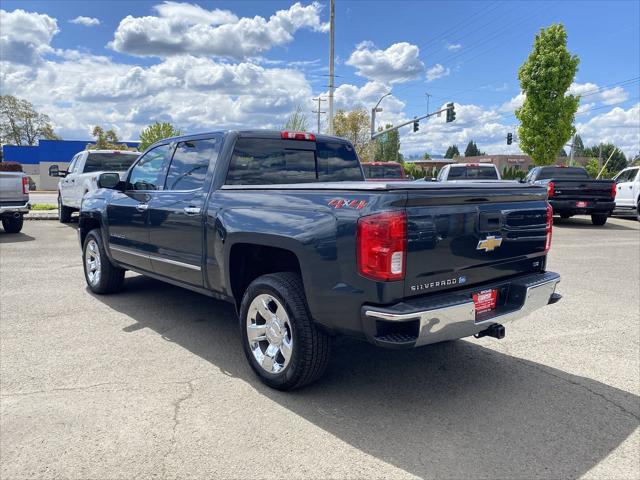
190 163
147 173
72 165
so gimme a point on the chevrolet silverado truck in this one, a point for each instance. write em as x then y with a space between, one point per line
283 225
572 192
14 200
82 173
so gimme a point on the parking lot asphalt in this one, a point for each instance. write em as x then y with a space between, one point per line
152 382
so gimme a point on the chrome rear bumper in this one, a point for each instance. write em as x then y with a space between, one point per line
15 208
453 316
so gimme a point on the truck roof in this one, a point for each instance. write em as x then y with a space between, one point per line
258 133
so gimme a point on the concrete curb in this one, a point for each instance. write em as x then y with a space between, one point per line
42 215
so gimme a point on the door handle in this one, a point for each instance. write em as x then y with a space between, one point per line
192 210
142 207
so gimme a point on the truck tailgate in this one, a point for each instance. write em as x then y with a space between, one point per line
458 238
582 189
11 192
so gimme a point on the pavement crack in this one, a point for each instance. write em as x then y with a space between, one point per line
61 389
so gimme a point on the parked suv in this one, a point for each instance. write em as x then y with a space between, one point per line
283 225
81 176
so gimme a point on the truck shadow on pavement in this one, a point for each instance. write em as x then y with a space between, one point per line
585 223
454 410
14 237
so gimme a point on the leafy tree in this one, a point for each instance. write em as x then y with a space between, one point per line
578 146
426 156
636 160
297 121
452 151
155 132
20 124
387 146
472 150
415 171
562 153
547 115
618 160
593 168
355 127
106 140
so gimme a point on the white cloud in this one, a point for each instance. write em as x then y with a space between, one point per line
590 92
453 47
437 71
398 63
614 95
350 97
86 21
511 105
25 36
183 28
618 126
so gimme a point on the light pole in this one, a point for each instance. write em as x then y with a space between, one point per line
373 114
331 84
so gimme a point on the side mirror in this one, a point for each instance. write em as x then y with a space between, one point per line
54 171
522 180
108 180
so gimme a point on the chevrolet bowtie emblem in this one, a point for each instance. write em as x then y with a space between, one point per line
489 244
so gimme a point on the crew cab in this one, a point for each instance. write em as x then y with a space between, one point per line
283 225
572 192
14 200
82 174
383 171
628 190
468 172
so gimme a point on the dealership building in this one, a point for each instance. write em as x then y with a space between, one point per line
37 159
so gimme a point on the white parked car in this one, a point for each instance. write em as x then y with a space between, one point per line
82 174
468 172
628 190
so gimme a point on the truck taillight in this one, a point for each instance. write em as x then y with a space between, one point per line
382 246
613 191
25 185
551 189
549 229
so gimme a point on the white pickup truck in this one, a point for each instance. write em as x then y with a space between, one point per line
469 172
81 176
628 190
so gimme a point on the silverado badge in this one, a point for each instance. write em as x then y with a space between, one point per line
489 244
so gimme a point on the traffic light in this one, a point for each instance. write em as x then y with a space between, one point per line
509 138
451 113
416 125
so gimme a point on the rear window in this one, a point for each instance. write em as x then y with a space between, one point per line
561 172
473 173
259 161
113 162
382 171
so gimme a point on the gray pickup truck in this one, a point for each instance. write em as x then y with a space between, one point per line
14 200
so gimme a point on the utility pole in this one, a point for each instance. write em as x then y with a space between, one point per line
428 95
331 32
573 142
319 99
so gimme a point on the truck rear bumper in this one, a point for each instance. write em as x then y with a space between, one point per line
438 318
570 207
10 209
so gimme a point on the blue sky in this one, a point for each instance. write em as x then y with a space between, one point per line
206 65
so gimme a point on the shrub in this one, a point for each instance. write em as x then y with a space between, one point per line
10 167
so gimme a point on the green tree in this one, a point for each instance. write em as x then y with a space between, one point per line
20 124
426 156
156 132
618 159
578 146
452 151
355 127
297 121
562 153
106 140
472 150
547 115
387 146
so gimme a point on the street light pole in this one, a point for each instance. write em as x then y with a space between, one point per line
373 114
331 32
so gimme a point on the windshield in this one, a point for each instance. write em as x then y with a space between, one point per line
473 173
382 171
109 161
562 172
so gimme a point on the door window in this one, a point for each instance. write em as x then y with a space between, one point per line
147 174
72 165
191 159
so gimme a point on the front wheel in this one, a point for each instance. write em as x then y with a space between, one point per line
64 213
638 211
282 344
599 218
12 224
101 275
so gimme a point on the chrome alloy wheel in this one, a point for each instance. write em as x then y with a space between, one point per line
269 333
92 262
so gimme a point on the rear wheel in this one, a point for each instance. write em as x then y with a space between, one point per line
282 344
101 275
12 224
599 218
64 213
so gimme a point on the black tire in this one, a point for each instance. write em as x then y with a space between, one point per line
310 345
638 211
64 213
12 224
599 218
111 277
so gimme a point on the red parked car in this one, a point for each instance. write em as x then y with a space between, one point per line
383 171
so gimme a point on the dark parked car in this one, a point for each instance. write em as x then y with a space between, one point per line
572 192
283 225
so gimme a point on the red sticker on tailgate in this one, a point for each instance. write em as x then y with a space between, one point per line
485 300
